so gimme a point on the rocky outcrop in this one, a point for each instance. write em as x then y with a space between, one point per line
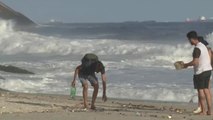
7 13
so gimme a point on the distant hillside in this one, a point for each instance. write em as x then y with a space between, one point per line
8 13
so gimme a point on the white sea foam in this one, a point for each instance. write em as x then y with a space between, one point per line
209 38
160 94
18 42
125 91
126 62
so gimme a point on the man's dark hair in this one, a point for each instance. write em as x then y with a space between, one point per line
192 35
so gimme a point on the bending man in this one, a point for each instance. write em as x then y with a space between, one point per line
86 72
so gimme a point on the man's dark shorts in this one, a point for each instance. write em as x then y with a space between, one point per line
201 81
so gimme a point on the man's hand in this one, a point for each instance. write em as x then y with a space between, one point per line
104 98
185 65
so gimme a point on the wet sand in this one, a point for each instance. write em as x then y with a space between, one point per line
20 106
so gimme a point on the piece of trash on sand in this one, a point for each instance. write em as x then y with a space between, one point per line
138 114
178 111
169 116
154 116
85 110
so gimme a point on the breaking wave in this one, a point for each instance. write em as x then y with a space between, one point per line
125 58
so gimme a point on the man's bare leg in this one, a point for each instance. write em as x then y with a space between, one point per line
199 102
199 105
94 96
202 101
209 100
85 94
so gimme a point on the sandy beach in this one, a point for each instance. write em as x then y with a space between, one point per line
22 106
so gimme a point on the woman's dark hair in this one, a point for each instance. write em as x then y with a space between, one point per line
201 39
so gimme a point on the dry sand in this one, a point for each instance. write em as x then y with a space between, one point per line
20 106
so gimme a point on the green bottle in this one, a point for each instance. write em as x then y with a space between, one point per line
73 92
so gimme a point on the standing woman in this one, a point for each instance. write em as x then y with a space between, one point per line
201 39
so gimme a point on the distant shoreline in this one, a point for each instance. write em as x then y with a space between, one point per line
126 22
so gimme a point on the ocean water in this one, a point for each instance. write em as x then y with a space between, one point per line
137 66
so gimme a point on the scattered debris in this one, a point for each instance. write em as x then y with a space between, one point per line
169 116
138 114
154 116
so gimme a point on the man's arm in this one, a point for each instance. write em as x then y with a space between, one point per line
195 61
103 76
75 76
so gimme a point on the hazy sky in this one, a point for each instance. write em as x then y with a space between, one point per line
112 10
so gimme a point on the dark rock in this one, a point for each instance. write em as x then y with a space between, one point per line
2 78
13 69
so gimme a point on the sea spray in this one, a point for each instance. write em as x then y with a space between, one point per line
135 69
